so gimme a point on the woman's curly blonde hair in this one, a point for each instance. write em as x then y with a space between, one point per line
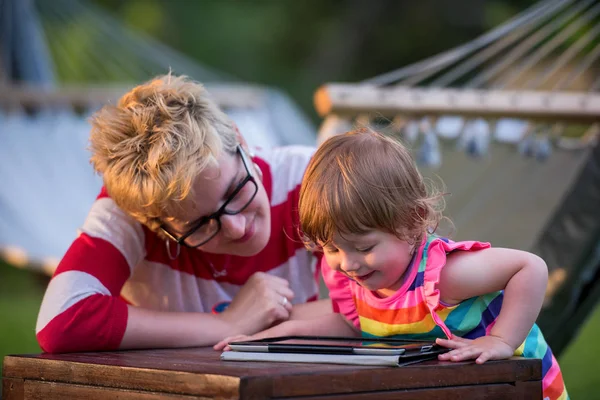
154 143
361 181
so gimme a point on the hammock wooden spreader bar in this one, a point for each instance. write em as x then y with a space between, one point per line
352 100
13 97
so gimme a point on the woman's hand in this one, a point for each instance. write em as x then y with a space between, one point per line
481 349
262 301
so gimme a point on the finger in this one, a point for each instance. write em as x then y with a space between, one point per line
285 291
451 354
221 345
288 306
451 343
283 301
448 355
282 313
466 354
277 280
459 339
485 356
239 338
282 286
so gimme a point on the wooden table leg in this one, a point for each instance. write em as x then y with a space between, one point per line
12 389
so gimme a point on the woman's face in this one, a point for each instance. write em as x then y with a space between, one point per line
242 234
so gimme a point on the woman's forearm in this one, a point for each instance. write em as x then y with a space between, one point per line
156 329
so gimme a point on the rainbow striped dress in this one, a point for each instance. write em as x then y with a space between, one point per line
416 312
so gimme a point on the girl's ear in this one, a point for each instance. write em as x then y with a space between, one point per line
422 213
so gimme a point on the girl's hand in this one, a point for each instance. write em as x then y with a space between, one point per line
287 328
481 349
223 345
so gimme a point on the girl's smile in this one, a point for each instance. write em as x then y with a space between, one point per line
362 278
376 260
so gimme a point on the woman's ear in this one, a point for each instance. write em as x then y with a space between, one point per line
241 140
244 145
258 171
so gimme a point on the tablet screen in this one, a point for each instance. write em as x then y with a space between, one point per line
349 343
335 345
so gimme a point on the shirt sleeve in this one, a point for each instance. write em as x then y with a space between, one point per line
82 309
340 293
437 253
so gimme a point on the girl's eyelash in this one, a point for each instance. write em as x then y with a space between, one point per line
365 250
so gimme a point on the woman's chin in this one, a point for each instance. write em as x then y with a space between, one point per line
255 244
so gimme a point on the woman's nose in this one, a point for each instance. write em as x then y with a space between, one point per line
233 226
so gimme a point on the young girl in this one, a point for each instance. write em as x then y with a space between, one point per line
365 205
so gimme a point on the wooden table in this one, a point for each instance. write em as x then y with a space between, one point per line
198 373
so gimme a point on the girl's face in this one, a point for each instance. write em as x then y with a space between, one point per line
376 260
242 234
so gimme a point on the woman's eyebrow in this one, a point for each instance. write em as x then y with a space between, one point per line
230 187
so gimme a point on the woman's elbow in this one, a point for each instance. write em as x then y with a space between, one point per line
55 343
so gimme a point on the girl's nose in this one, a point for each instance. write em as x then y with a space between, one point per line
349 264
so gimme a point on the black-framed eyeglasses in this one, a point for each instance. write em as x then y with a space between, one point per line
207 227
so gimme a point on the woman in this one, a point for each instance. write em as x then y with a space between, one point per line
192 238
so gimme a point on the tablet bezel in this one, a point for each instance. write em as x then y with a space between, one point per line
411 348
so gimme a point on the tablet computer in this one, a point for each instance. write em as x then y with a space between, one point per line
339 345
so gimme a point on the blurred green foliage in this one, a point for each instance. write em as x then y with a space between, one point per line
579 362
21 293
299 45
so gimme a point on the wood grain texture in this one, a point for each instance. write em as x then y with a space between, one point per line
36 390
350 100
12 389
520 391
200 372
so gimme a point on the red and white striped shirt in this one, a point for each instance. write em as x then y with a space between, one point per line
116 260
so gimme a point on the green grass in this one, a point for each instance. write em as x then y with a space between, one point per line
21 294
20 297
580 362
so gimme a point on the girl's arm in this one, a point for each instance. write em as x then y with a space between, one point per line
523 277
310 310
331 324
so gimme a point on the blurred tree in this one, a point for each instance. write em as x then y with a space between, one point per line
299 45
